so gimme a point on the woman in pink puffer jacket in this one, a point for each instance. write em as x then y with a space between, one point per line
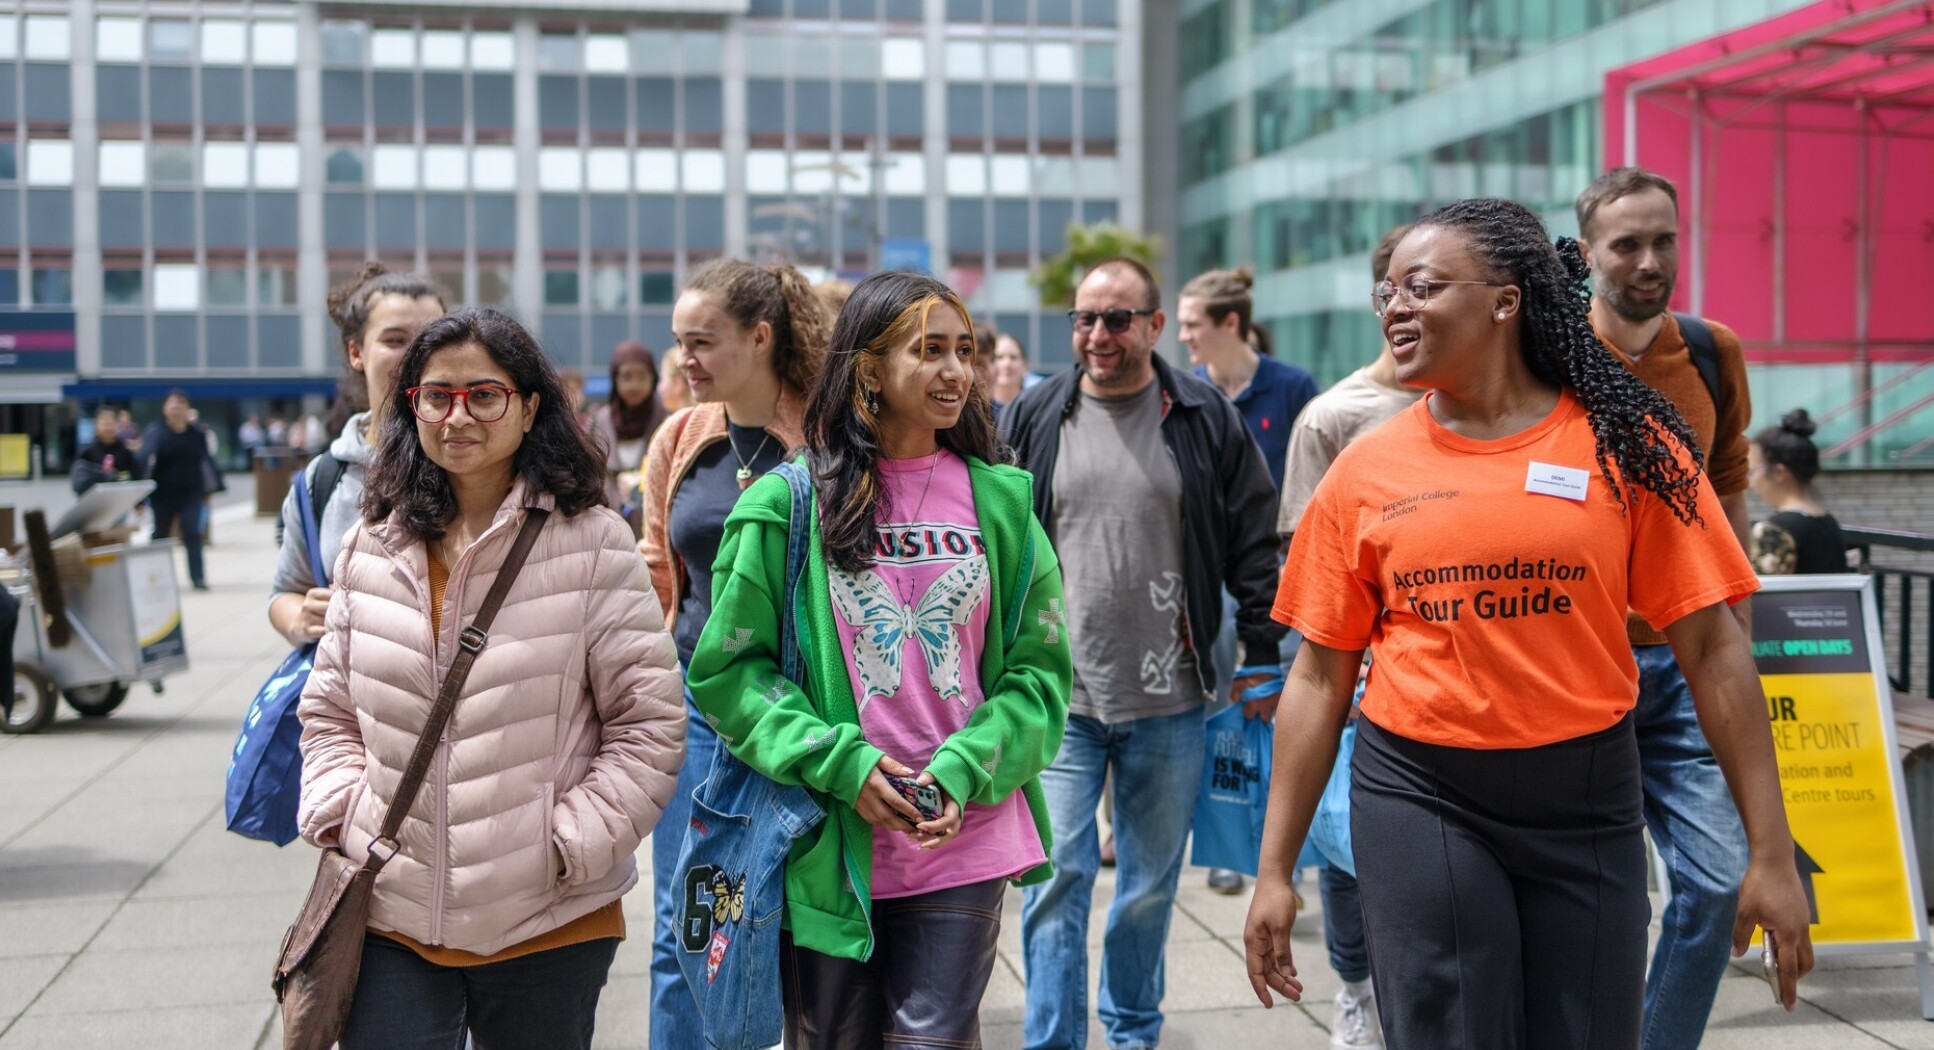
500 914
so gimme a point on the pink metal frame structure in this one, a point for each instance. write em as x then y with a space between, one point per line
1804 156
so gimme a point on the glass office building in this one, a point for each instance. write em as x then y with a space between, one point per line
1311 127
186 180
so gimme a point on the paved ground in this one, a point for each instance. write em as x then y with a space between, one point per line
129 917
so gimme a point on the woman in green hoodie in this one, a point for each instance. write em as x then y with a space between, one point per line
928 618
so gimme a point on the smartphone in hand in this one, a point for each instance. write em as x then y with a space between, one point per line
1769 964
925 797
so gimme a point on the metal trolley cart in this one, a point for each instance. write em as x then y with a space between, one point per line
119 620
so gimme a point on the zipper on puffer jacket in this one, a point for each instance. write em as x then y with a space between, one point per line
452 600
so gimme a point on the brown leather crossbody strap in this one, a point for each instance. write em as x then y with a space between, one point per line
469 644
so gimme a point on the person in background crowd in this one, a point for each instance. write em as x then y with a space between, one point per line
1010 374
624 425
1156 500
314 436
898 949
985 339
377 312
174 453
833 293
574 393
1359 403
1213 316
501 911
1628 221
1800 537
277 430
130 434
106 458
674 391
750 341
250 435
1487 544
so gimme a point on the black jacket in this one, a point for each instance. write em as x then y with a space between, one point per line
1228 501
90 466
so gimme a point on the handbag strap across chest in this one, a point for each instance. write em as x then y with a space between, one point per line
469 643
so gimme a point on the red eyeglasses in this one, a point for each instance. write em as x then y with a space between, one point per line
485 402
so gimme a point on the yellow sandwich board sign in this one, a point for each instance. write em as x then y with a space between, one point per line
1816 640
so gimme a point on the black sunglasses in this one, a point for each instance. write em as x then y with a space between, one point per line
1117 321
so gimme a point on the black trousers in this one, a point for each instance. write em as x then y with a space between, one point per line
543 1001
187 514
1503 891
932 958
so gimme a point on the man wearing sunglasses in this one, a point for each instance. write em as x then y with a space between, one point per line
1156 499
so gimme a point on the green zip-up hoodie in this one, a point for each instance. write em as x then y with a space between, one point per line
813 738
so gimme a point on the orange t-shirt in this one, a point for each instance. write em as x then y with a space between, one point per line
1491 578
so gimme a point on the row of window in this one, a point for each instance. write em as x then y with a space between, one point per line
560 169
170 222
447 103
999 12
644 52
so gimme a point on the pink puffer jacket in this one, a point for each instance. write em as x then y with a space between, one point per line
563 750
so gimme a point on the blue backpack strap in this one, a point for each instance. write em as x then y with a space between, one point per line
311 541
799 536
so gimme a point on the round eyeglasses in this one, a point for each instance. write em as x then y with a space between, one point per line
485 402
1416 289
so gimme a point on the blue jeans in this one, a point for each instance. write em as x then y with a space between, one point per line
1343 923
1697 832
1157 764
674 1006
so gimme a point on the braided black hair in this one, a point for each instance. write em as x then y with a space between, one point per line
1633 424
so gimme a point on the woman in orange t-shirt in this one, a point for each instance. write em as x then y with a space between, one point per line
1485 545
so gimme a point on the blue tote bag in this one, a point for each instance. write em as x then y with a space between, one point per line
1235 792
265 769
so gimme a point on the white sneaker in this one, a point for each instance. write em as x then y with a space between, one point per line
1354 1024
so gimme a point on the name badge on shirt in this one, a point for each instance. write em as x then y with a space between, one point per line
1546 479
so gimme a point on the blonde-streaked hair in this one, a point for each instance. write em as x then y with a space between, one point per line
843 433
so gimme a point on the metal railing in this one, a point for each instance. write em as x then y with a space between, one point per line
1905 597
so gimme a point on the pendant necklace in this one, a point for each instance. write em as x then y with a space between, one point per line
906 597
744 473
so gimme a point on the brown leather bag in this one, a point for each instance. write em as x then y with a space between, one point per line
322 954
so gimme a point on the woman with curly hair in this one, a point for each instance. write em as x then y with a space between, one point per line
1485 546
927 617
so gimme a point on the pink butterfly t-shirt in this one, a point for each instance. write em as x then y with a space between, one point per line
914 625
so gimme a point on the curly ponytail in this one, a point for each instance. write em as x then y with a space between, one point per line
1635 427
779 296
